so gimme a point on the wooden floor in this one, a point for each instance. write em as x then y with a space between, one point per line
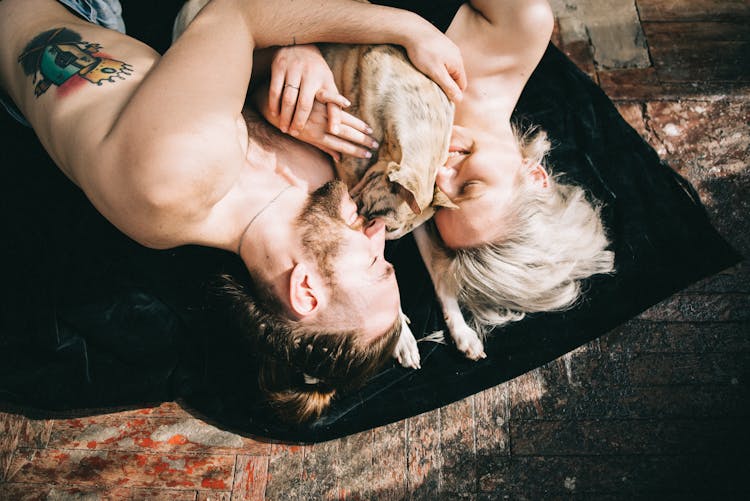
657 409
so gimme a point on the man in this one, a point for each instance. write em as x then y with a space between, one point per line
161 149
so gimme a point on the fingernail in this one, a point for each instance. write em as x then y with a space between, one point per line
284 130
369 130
294 132
367 154
375 144
347 102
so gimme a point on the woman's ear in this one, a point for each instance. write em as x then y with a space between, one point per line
538 174
305 291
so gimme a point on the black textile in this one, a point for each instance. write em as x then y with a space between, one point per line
90 319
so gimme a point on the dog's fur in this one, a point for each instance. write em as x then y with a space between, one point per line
411 119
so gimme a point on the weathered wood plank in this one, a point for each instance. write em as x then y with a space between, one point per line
619 437
285 470
701 308
458 449
693 10
695 34
624 477
639 336
320 471
35 433
162 434
10 428
643 84
355 467
648 369
123 469
423 453
389 461
250 477
47 492
713 62
211 496
491 415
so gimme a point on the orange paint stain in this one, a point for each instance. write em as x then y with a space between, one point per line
146 442
91 445
177 440
140 459
213 483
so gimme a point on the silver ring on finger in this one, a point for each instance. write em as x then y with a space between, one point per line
290 85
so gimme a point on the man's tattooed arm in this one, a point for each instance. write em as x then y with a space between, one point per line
58 56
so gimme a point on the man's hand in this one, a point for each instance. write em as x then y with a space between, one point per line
439 58
299 77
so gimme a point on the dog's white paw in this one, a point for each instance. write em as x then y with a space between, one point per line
407 352
468 342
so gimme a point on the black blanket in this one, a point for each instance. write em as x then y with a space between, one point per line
90 319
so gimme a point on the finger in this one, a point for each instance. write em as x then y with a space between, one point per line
305 102
335 155
288 104
344 147
357 137
328 96
449 86
334 118
355 123
458 74
275 88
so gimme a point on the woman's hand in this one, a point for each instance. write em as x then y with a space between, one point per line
352 136
435 55
299 77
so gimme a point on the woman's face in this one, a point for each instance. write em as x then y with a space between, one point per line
480 177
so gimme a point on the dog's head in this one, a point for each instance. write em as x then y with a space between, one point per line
402 196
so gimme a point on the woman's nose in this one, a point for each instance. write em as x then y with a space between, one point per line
446 181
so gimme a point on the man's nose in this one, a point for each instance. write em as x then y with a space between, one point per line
374 228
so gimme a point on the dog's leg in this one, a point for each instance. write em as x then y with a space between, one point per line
466 339
407 352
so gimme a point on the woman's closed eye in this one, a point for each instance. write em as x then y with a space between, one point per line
468 187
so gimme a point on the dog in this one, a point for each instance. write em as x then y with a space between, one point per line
412 119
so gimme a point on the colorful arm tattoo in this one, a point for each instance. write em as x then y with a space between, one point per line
56 56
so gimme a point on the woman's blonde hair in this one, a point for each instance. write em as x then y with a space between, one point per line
554 239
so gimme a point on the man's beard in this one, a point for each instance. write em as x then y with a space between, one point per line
323 226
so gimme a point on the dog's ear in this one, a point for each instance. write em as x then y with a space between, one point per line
416 189
440 199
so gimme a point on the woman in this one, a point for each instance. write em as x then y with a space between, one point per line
520 241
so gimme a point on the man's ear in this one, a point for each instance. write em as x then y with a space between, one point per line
305 291
538 175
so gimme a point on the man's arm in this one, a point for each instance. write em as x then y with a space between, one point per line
180 124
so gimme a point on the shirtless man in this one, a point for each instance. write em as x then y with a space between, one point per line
160 147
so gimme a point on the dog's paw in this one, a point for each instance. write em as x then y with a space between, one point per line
468 342
407 352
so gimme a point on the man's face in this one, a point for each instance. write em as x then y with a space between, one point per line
349 253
